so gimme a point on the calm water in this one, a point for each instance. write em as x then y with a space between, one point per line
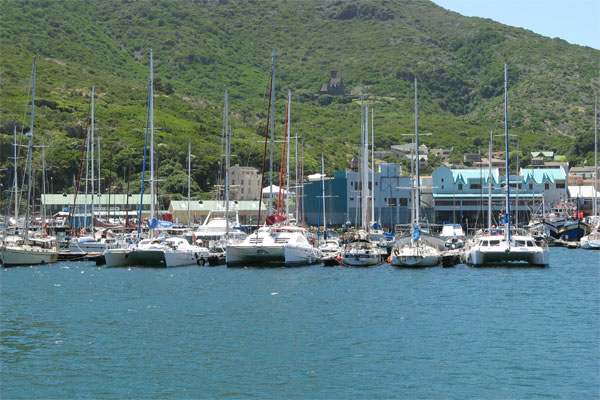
74 330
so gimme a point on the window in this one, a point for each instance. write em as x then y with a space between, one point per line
475 186
391 202
442 179
547 186
460 186
403 202
531 186
560 185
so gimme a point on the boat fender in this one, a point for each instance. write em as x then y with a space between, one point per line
200 261
396 252
388 259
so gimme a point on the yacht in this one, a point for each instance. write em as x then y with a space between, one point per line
181 253
494 248
286 245
16 250
360 252
591 241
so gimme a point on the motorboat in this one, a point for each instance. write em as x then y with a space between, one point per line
181 253
591 241
360 252
330 248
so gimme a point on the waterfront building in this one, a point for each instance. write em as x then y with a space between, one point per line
105 206
343 200
461 195
583 198
247 210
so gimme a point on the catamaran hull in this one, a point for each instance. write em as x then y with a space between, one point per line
135 257
262 256
19 256
478 257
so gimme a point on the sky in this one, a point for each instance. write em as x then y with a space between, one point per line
576 21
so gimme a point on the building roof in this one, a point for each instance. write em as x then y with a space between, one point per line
543 175
275 190
464 175
115 199
215 205
583 191
542 153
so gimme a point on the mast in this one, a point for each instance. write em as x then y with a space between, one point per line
517 189
99 181
189 182
372 167
361 204
490 183
43 181
418 177
296 185
92 151
29 149
16 183
365 171
507 215
87 171
272 127
596 156
323 195
227 163
287 160
151 107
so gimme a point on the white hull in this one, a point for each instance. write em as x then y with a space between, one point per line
415 256
500 252
181 258
87 247
27 255
301 255
590 243
117 257
361 254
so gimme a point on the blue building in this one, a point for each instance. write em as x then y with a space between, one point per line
343 198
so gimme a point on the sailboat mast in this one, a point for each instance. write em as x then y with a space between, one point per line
507 216
189 182
372 167
418 177
16 183
151 107
272 128
490 183
43 182
596 156
287 159
365 171
92 169
30 135
227 162
323 194
296 183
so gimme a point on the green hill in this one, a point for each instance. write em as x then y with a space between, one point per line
202 46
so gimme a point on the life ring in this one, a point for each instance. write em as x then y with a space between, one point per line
200 261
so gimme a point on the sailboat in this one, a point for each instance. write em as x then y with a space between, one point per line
509 245
592 241
28 250
358 250
278 242
415 252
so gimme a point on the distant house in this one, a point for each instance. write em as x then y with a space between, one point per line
334 87
472 157
546 155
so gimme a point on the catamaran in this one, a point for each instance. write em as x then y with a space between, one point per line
507 245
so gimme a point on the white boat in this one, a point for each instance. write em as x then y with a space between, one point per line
274 245
499 250
33 251
510 245
361 253
415 252
591 241
89 244
217 226
181 253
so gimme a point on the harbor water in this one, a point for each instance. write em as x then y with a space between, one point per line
76 330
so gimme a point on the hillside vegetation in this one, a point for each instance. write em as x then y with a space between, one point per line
200 47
